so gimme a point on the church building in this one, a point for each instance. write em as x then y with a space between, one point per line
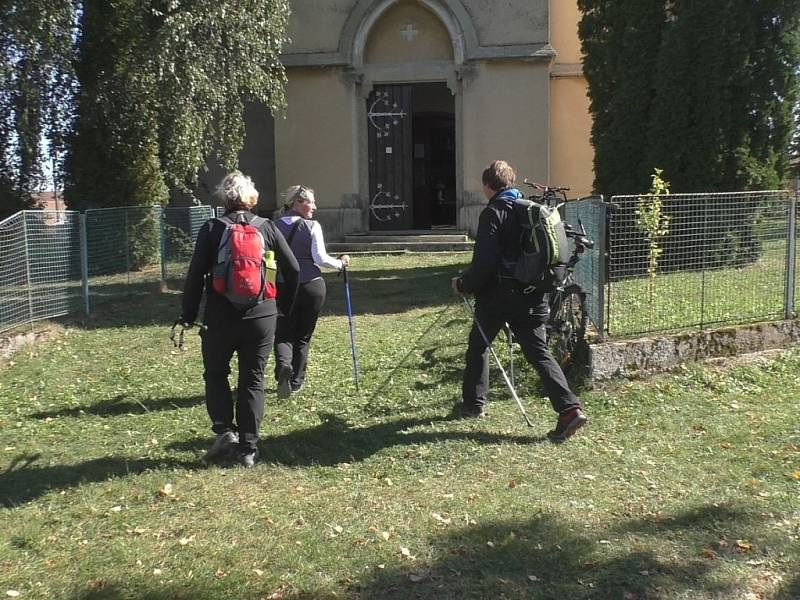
394 108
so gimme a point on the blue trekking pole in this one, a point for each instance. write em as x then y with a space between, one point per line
352 326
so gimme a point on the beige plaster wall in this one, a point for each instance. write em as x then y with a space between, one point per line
571 152
564 17
510 21
315 144
505 115
316 25
387 44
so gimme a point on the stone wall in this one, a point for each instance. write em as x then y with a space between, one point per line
646 356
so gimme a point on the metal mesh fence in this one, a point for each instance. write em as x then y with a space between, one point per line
123 253
56 262
591 213
180 227
711 259
40 275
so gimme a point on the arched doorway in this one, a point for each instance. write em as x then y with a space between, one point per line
411 135
409 81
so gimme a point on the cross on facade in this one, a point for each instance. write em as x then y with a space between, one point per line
409 32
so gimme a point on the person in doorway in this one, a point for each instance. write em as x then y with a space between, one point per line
293 336
499 299
230 328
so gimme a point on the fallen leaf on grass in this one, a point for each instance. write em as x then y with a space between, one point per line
439 518
406 553
166 491
743 545
335 530
709 553
385 535
416 578
533 578
796 475
258 572
512 484
186 540
12 593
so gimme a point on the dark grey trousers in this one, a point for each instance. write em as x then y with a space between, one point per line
526 314
251 340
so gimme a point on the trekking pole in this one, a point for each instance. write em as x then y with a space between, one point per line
179 342
510 337
497 360
352 327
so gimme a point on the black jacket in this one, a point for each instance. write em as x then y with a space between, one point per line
217 307
498 239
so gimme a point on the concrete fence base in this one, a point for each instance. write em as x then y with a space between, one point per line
646 356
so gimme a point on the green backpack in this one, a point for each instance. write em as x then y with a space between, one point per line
545 249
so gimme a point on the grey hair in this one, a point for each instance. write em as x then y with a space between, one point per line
237 192
297 192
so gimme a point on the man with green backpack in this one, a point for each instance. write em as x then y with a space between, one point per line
501 297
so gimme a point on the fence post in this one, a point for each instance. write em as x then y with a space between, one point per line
602 248
84 262
790 253
27 267
163 239
127 247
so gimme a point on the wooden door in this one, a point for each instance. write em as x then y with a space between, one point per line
390 158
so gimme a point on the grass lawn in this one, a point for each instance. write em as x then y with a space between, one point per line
686 486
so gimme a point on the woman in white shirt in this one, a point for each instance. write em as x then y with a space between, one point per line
294 331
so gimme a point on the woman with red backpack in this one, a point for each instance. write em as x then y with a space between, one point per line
234 260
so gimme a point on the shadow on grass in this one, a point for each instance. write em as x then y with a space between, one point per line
453 372
22 481
120 405
333 441
790 590
545 557
373 292
391 291
105 591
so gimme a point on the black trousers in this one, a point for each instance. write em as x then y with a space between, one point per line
293 336
526 314
251 340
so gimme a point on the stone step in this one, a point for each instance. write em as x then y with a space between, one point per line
397 246
370 238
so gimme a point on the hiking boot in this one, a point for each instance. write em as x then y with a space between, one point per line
296 387
284 387
568 423
471 411
248 459
223 445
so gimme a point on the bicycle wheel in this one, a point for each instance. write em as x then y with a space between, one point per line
567 325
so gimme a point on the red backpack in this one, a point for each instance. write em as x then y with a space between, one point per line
240 271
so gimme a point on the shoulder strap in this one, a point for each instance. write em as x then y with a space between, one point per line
224 219
257 222
293 231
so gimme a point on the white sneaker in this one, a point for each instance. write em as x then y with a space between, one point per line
223 445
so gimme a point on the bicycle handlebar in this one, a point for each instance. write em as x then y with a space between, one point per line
543 187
